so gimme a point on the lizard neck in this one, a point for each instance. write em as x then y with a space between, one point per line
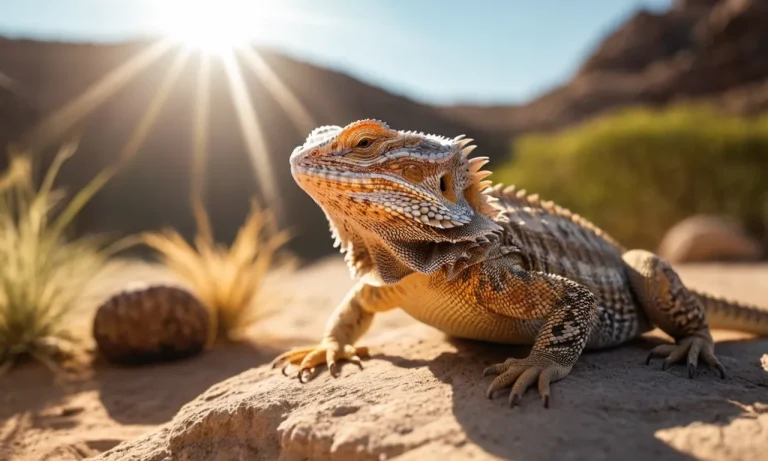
384 258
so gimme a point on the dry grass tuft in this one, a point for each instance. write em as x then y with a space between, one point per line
228 281
43 274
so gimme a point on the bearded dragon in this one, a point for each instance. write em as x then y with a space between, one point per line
422 229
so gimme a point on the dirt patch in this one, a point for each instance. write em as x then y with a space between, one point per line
420 396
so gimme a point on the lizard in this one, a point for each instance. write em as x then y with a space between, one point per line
424 230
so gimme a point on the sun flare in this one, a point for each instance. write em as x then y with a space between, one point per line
219 30
214 26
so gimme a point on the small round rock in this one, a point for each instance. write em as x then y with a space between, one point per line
147 324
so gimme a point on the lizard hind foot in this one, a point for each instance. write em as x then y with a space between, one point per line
689 349
308 359
520 374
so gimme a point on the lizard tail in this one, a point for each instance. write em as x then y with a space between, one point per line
731 315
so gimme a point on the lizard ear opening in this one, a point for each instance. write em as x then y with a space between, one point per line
447 187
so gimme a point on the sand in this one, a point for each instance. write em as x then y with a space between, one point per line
42 419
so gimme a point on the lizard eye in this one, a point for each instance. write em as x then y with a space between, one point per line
364 142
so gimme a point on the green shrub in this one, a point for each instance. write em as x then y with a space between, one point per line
637 172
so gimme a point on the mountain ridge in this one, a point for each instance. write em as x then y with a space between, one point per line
708 51
153 191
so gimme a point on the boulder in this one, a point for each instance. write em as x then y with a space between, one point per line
706 238
148 324
422 396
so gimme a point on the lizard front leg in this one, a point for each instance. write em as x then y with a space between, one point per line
348 322
569 311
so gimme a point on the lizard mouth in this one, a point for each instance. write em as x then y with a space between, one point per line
328 173
383 194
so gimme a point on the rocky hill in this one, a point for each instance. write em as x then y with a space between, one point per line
698 50
16 115
154 190
704 50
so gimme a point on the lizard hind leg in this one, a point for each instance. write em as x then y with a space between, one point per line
674 309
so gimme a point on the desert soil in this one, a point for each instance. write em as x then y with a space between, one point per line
610 406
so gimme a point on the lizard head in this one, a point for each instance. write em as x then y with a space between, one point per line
398 201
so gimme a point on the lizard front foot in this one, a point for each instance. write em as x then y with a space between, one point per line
689 348
327 352
522 373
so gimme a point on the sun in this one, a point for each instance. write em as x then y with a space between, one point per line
213 26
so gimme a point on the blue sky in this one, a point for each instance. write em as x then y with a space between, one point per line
436 51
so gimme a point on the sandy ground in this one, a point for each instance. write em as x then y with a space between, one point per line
41 419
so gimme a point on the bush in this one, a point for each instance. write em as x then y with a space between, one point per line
637 172
228 281
43 274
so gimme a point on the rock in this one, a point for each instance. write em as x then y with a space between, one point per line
706 239
422 396
151 324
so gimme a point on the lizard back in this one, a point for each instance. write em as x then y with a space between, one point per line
550 238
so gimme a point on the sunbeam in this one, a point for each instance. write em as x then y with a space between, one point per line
200 146
220 39
252 133
285 97
150 115
59 122
145 124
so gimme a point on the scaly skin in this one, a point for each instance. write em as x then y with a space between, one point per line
422 230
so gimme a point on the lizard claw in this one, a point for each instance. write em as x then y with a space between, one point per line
522 373
333 367
305 375
689 349
357 361
309 358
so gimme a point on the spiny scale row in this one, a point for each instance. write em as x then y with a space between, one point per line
428 157
511 192
490 205
433 137
321 131
423 212
418 206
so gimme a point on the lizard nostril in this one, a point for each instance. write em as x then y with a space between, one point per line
300 153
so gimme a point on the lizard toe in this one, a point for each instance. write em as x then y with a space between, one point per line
689 350
309 359
520 374
662 350
499 368
291 356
